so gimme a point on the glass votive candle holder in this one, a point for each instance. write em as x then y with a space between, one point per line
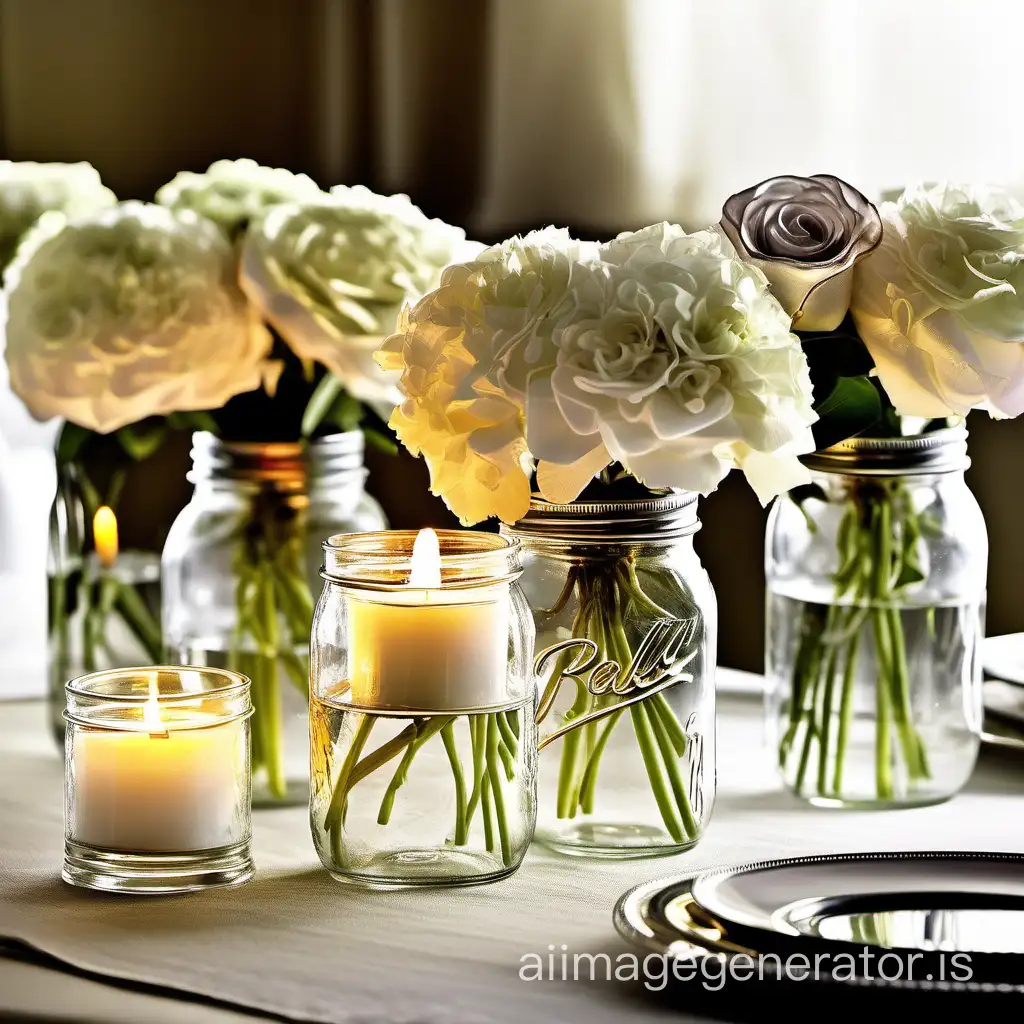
423 739
157 781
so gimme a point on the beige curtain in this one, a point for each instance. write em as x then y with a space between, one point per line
507 114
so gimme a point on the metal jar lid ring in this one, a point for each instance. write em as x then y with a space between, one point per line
941 451
612 522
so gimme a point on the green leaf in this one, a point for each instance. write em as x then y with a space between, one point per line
140 443
346 413
202 421
380 441
326 393
852 407
70 442
192 421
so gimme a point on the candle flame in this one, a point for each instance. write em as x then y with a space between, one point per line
151 709
426 561
104 534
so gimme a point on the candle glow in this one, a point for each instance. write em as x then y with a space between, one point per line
104 533
426 561
426 645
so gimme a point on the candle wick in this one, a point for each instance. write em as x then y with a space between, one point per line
165 735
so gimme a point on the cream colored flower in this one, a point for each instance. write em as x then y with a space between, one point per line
474 447
332 275
805 235
680 367
232 193
661 351
130 313
940 305
28 190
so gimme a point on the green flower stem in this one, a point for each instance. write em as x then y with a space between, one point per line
645 738
488 755
271 711
509 738
461 821
139 620
603 595
666 716
883 757
336 810
59 624
512 720
496 792
424 729
488 805
670 759
877 542
588 787
826 717
478 737
398 779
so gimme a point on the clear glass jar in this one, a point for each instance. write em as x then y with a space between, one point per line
626 636
240 571
156 780
876 579
423 741
103 605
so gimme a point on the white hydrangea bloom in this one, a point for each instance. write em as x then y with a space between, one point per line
129 313
28 190
232 193
660 350
332 275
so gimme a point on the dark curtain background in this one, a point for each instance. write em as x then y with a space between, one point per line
392 93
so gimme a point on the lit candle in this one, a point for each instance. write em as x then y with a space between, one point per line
427 648
160 779
104 535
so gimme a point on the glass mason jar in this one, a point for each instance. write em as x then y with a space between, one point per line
626 634
423 741
240 580
156 780
103 603
876 593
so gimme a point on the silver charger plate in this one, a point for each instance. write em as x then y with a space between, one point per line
924 908
1003 657
1004 714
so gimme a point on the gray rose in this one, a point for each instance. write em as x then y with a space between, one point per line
805 235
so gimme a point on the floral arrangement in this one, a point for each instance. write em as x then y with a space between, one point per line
931 327
805 317
245 302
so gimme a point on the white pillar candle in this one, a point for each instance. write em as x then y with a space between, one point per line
175 782
428 648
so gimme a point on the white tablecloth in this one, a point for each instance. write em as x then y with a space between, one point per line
298 945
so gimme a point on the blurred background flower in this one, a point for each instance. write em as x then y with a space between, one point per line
29 189
331 274
232 193
130 313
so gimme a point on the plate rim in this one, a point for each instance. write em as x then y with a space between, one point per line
895 856
635 927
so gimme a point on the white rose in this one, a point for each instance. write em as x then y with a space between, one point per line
332 275
940 304
130 313
28 190
805 235
681 368
232 193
